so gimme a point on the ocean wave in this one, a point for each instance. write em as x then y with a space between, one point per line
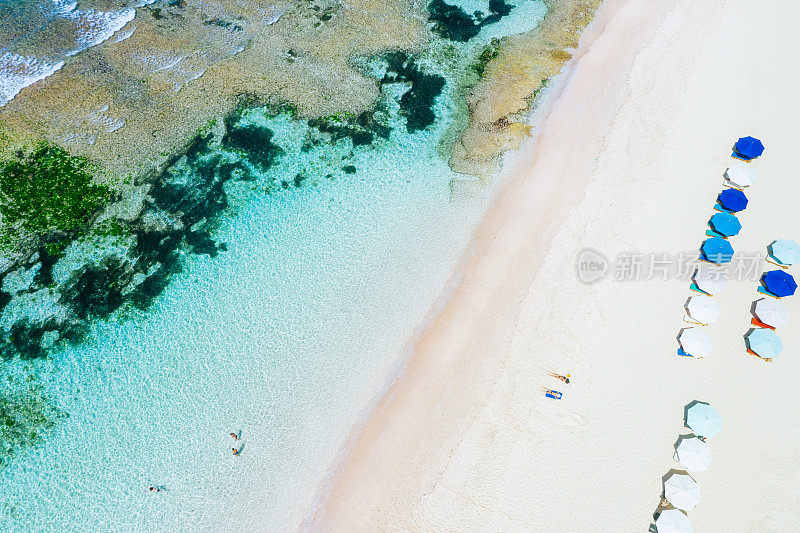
18 72
62 7
95 27
125 34
91 27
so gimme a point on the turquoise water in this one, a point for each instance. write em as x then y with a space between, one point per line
288 336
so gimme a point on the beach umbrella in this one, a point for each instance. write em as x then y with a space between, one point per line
749 147
682 491
703 419
732 200
695 342
725 224
710 279
693 453
673 521
785 251
740 175
703 309
779 283
764 342
717 250
772 312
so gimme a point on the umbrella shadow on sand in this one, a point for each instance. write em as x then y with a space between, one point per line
686 411
665 505
746 340
672 472
688 318
753 309
681 351
682 438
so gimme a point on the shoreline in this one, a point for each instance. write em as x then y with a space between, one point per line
511 176
511 158
641 132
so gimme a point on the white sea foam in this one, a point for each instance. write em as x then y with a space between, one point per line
275 17
18 72
124 34
95 27
105 122
62 7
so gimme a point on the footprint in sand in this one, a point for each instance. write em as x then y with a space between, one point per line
570 419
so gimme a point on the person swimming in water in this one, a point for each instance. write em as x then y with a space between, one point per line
237 451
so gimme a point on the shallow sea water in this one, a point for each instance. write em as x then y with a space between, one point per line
288 336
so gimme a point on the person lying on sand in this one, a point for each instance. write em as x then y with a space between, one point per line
552 394
565 379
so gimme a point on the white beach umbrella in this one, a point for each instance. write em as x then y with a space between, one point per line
740 175
772 312
694 341
693 453
682 491
673 521
710 279
703 309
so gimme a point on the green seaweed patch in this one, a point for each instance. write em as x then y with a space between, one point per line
95 291
235 170
539 89
55 249
222 23
489 52
48 193
455 24
26 416
5 298
361 129
416 104
299 179
206 129
452 22
254 143
111 227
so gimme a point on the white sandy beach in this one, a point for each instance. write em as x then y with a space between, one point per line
629 157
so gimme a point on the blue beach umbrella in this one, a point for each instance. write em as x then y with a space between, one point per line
764 342
717 250
703 419
725 224
732 200
785 251
749 147
779 283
